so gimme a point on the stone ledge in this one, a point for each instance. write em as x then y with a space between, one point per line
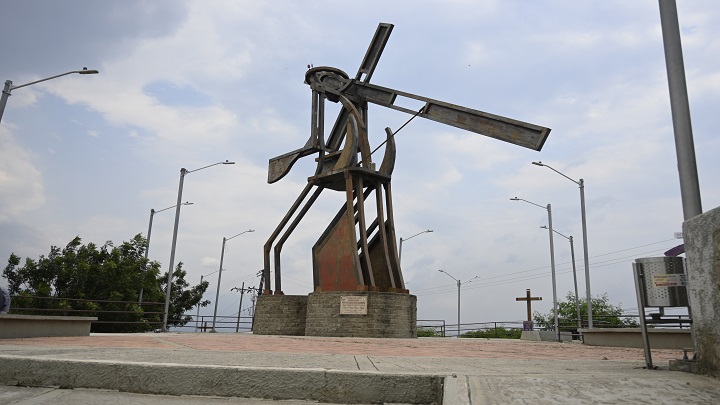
632 337
336 386
25 326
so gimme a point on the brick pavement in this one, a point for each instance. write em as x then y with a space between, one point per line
421 347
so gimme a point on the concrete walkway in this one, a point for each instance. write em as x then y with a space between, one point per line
347 370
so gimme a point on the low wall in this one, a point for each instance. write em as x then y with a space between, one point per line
632 337
24 326
702 250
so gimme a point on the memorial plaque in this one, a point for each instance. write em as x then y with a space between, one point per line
353 305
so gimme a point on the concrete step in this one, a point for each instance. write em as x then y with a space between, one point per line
338 386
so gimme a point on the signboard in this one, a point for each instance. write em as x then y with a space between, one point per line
670 280
528 325
353 305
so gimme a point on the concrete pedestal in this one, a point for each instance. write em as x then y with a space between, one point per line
374 314
280 315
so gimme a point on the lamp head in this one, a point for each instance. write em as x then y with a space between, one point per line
227 162
429 230
543 227
251 230
441 271
85 71
514 199
187 203
538 163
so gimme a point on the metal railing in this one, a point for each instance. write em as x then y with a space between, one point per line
222 324
495 326
111 312
108 312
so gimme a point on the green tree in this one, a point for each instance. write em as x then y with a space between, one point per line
496 333
102 277
604 313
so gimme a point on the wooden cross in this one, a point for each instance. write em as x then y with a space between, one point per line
529 299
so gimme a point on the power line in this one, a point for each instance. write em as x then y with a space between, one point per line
580 261
449 288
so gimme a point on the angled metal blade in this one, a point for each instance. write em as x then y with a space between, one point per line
365 72
495 126
372 56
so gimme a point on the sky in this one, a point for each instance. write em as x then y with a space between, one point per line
187 84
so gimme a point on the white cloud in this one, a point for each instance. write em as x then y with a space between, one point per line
20 181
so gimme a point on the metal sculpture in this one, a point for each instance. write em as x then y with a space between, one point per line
354 254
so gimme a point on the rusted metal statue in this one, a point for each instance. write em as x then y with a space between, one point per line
356 253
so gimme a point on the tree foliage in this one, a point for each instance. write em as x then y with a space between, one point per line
495 333
427 332
90 280
604 314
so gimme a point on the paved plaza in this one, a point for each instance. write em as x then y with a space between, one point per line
203 368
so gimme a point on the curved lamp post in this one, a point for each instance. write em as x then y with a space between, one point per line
9 85
572 256
458 286
403 240
552 262
581 184
168 288
222 256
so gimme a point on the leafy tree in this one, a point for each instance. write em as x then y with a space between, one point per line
427 332
604 314
496 333
104 278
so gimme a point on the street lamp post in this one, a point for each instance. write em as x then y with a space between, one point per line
572 257
197 317
581 184
680 111
217 293
147 243
552 262
458 286
403 240
9 85
168 288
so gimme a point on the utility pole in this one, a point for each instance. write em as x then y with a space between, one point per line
242 291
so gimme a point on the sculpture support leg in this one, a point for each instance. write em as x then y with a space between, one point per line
286 235
266 250
366 264
383 234
391 237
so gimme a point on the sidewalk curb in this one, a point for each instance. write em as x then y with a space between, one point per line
338 386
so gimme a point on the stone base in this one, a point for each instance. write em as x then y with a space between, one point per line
280 315
688 366
389 315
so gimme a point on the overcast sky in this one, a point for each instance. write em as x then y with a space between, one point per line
191 83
